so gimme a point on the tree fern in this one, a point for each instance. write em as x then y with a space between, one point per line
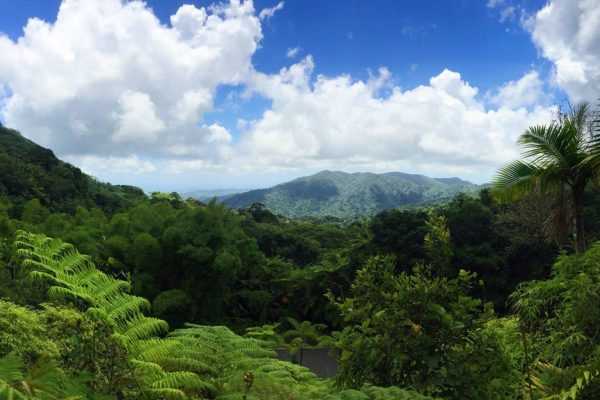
72 277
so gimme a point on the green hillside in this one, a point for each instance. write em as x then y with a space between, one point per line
29 171
345 195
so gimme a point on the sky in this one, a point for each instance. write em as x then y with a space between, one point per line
185 95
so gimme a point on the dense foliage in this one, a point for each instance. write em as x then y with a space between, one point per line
29 171
108 293
415 330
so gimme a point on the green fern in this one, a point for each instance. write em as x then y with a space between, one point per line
72 277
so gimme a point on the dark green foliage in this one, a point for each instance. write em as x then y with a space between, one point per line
414 330
172 306
29 171
561 319
504 244
478 247
402 234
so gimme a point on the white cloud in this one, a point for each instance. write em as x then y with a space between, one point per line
344 123
112 89
525 92
568 33
137 119
293 52
107 79
95 165
267 13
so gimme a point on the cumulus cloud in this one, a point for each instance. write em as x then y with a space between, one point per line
568 33
107 79
267 13
342 122
94 164
525 92
110 88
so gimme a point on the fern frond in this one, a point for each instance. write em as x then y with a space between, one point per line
143 327
182 380
165 394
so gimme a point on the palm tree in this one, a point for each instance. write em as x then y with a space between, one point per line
557 160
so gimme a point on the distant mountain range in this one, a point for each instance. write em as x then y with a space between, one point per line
29 171
350 195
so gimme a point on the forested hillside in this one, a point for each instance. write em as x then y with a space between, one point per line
490 295
343 195
29 171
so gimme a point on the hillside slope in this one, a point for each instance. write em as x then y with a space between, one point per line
29 171
345 195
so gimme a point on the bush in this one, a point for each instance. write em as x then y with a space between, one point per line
419 331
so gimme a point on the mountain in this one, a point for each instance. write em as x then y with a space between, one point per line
29 171
349 195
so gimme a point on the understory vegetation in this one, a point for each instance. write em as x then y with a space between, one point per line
106 293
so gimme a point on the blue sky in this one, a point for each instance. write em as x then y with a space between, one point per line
414 39
353 36
500 47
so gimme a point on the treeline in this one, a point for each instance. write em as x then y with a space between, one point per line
205 262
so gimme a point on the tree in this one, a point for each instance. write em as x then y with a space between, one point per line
400 233
477 247
557 161
419 331
438 246
34 212
561 317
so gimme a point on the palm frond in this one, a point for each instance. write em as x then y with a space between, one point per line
545 145
515 179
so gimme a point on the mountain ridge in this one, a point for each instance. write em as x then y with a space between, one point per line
350 195
30 171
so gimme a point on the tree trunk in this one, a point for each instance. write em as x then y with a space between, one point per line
578 195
